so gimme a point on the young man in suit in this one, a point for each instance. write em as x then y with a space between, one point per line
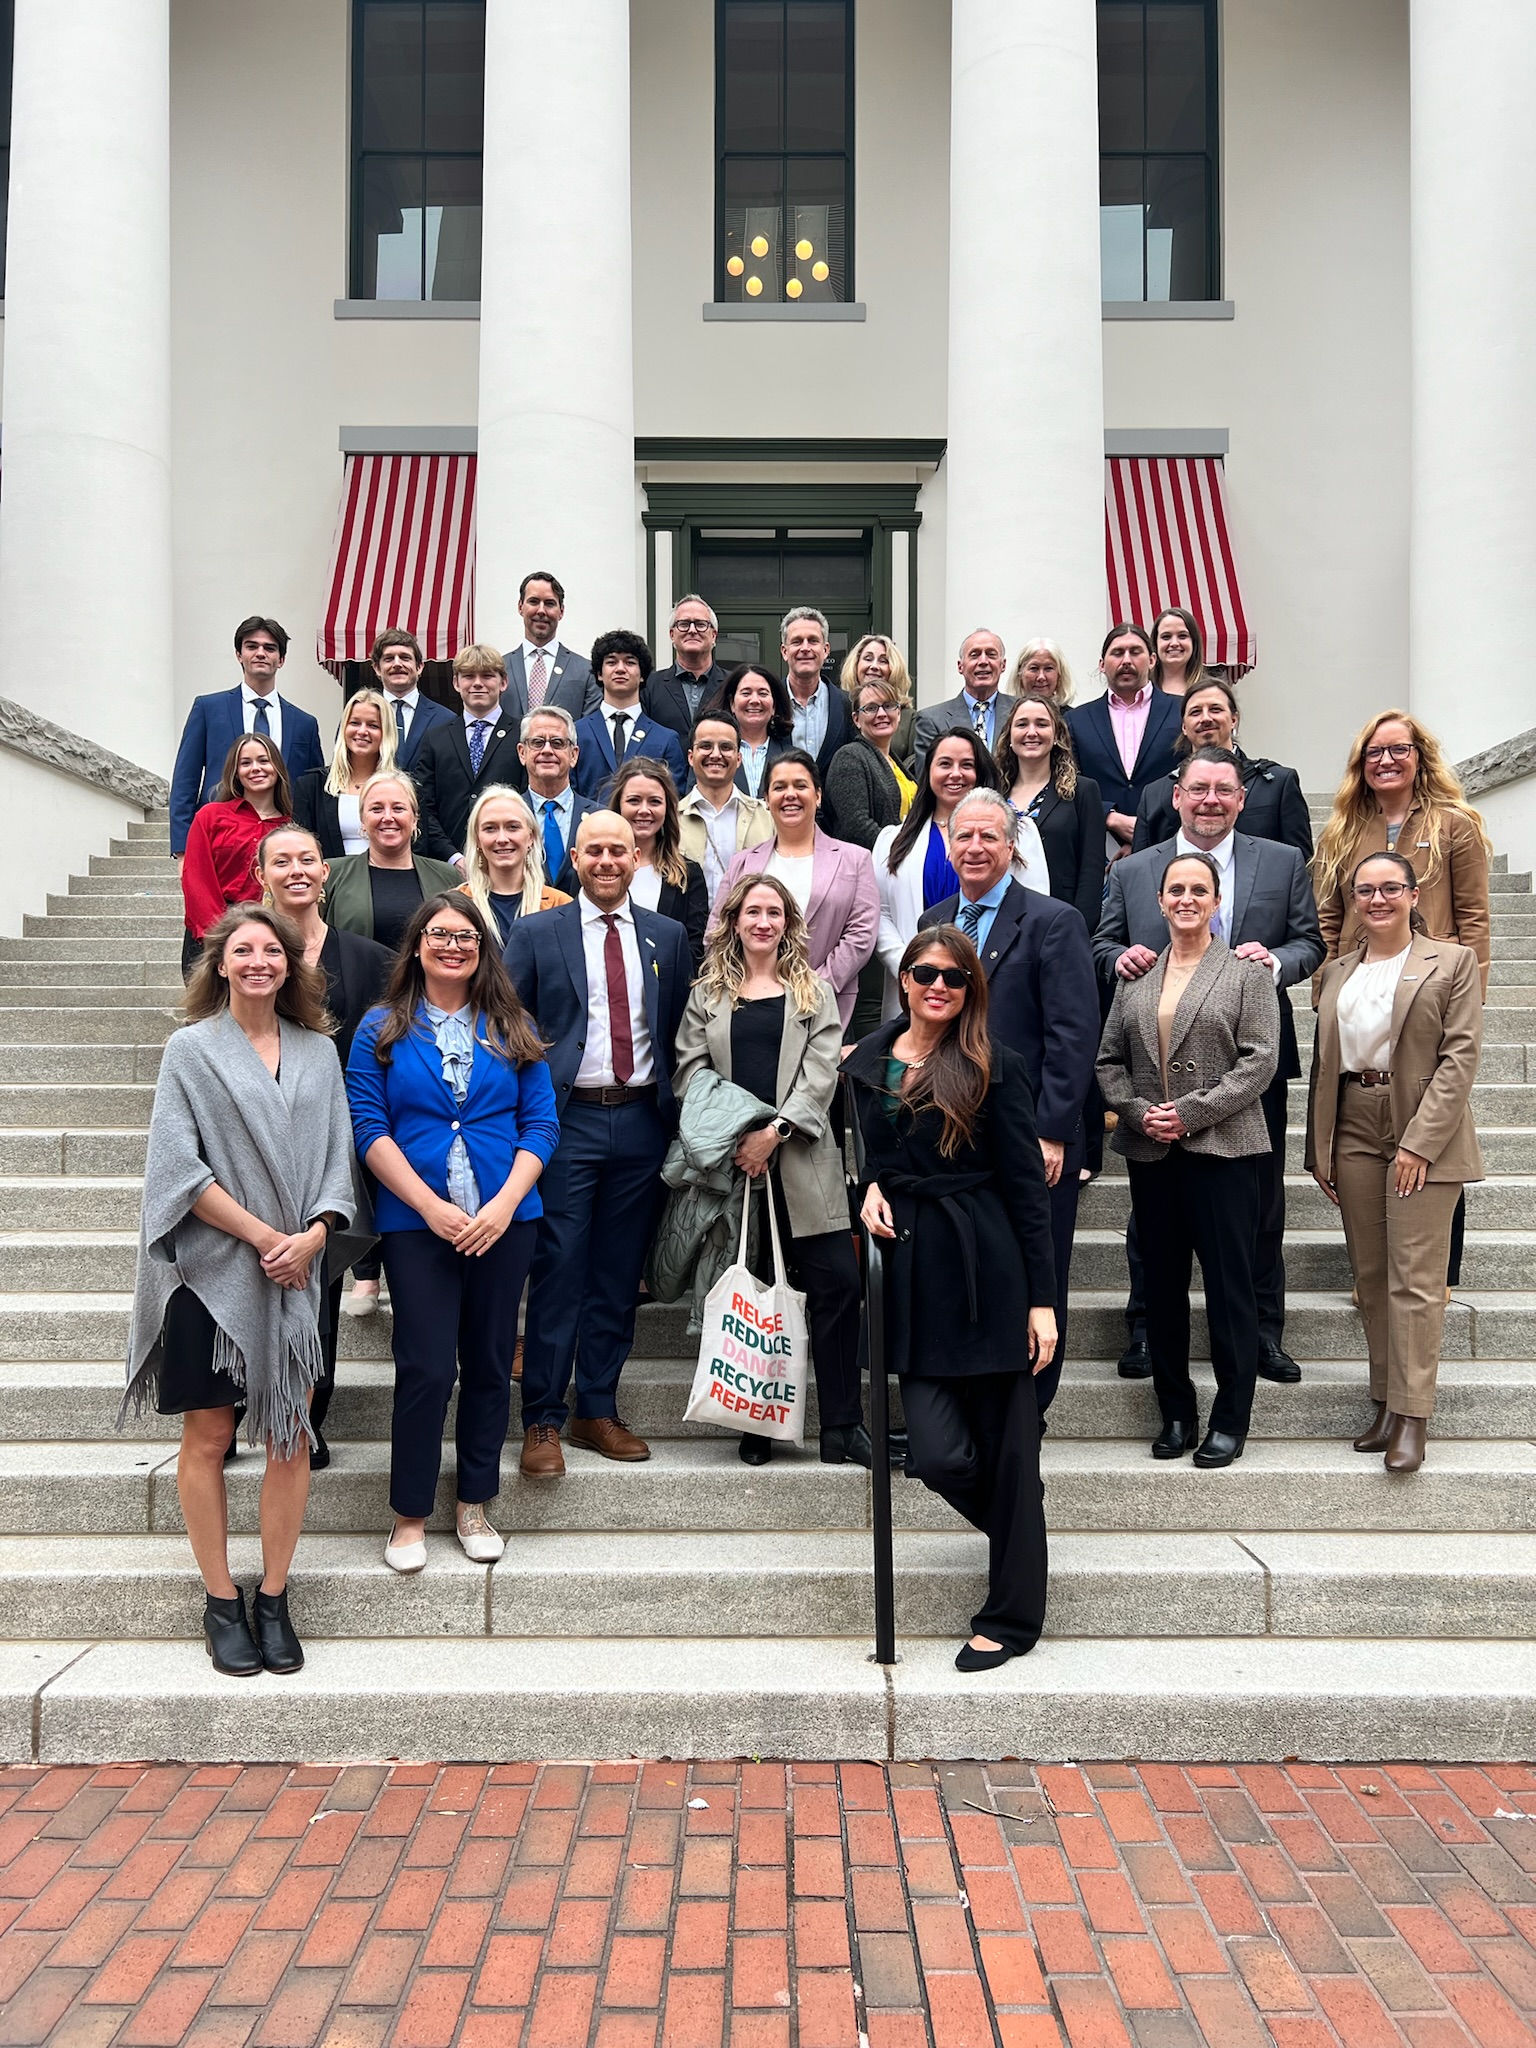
1267 913
675 696
1043 1003
823 720
216 721
606 984
1126 738
396 660
540 669
978 704
618 729
459 759
548 750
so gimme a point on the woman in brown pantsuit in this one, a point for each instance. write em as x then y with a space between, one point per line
1390 1136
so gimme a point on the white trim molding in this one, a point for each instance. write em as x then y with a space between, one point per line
745 309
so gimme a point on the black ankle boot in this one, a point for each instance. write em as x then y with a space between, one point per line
754 1450
228 1636
281 1649
849 1445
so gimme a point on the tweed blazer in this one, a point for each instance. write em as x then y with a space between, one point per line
1437 1036
1222 1054
1453 902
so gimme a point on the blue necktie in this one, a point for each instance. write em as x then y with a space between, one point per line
554 845
261 723
970 920
399 728
477 733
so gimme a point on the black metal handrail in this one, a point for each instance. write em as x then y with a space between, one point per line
879 1414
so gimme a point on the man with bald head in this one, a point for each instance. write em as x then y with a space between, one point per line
605 982
977 705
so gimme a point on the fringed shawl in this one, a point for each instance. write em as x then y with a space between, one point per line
282 1150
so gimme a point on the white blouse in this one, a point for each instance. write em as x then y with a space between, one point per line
350 819
1365 1014
645 888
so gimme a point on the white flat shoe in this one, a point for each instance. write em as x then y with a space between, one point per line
405 1558
356 1304
477 1539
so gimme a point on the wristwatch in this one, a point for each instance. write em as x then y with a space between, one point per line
783 1129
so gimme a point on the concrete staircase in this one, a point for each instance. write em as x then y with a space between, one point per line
1300 1603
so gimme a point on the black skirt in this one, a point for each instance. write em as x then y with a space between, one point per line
188 1376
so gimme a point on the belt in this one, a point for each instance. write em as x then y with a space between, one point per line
1372 1077
944 1188
614 1097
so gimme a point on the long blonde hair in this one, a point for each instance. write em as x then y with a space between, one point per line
901 680
1437 792
477 874
340 773
725 966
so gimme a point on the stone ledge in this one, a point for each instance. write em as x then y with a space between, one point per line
25 732
1508 762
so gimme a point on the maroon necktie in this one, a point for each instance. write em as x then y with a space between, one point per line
619 1032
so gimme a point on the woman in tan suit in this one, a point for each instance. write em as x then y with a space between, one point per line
1390 1137
1188 1050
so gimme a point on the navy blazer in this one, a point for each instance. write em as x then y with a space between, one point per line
213 725
428 713
1098 756
595 762
549 969
1273 808
840 729
1044 1003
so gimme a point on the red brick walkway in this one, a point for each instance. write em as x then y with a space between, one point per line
814 1906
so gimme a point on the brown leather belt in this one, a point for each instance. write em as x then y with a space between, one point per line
1372 1077
614 1097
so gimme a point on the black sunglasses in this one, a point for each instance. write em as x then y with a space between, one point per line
926 974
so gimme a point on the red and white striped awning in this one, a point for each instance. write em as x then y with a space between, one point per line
1168 542
404 555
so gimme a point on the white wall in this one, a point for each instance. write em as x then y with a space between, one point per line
1510 815
50 825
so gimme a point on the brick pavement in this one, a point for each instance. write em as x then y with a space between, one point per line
808 1906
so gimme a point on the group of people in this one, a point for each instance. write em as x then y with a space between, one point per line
1009 922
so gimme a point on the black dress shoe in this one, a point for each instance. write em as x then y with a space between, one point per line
1277 1365
1135 1360
754 1450
1175 1440
227 1636
281 1649
847 1446
1219 1449
967 1659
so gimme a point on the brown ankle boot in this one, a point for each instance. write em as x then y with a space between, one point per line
1377 1430
1405 1452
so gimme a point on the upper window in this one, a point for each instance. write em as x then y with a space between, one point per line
784 142
418 125
1157 149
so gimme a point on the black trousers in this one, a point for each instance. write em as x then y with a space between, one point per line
1192 1203
826 1271
1064 1200
325 1386
454 1316
975 1441
1458 1242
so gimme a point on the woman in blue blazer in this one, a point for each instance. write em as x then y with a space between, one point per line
453 1113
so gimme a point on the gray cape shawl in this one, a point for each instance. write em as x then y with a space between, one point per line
284 1152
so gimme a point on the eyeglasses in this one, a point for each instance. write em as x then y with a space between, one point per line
714 747
1364 891
1398 751
548 746
878 711
442 940
691 626
926 974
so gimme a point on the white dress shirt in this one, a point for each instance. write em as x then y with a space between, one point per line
810 720
250 699
407 703
632 713
720 830
596 1069
1365 1014
1221 924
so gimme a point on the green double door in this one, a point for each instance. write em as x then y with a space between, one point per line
753 578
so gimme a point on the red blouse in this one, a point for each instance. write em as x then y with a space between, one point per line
219 867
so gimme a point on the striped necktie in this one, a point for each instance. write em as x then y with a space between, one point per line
969 920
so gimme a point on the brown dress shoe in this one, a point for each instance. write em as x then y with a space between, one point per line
1378 1430
1405 1452
517 1360
542 1457
606 1435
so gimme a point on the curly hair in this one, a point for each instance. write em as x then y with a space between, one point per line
1437 792
1063 753
725 966
670 864
501 1022
301 993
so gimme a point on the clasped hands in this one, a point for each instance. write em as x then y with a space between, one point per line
472 1235
1163 1122
286 1256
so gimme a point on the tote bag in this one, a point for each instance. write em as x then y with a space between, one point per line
754 1356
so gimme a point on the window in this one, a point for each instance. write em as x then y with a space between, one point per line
418 123
1157 149
784 140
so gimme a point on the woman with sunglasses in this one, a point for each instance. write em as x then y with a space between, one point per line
1391 1138
956 1195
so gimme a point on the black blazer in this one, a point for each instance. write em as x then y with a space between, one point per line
688 907
840 726
1073 837
316 809
428 714
446 786
356 970
1274 808
861 794
662 698
1093 739
1045 1001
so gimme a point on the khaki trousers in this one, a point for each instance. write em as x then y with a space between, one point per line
1398 1250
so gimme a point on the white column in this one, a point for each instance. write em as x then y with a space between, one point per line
556 479
85 516
1473 506
1025 544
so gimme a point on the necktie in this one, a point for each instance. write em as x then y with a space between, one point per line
538 682
261 723
979 720
620 728
619 1033
970 920
554 845
477 733
399 728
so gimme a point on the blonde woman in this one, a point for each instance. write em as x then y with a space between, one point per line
877 659
1041 670
378 892
504 860
326 800
760 1017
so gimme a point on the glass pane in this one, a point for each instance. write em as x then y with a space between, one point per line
818 229
740 579
737 646
817 116
752 67
390 115
392 229
754 230
1176 76
825 580
456 75
1120 76
1120 228
1178 238
453 229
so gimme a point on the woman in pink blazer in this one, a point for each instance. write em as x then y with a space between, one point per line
832 881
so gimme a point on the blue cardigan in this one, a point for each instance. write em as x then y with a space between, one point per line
507 1110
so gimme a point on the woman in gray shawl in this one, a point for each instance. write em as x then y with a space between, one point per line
249 1168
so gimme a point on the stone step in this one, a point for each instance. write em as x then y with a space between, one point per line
54 1202
796 1697
112 1105
1502 883
117 1026
93 950
96 1065
89 924
1507 1202
161 882
130 857
1505 973
72 981
73 1151
127 1000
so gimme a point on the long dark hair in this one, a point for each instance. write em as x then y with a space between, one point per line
501 1022
231 787
924 804
1194 675
782 723
301 998
670 864
956 1075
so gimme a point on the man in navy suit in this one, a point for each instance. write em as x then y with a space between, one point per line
823 719
1126 738
215 722
1043 1003
396 659
605 983
619 729
540 669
